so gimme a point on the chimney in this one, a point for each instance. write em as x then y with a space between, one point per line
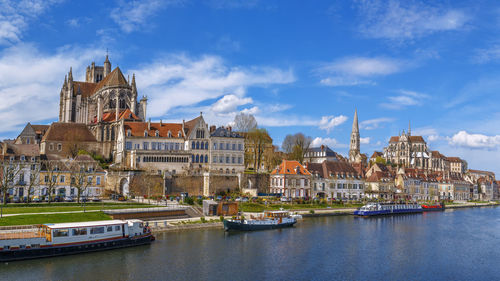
161 122
230 128
212 128
149 124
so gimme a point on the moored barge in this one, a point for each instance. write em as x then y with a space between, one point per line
377 209
270 220
433 207
49 240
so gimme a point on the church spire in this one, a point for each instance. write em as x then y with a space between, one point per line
355 127
107 66
354 148
409 128
70 74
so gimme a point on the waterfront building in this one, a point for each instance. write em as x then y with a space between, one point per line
21 162
63 177
336 180
418 185
227 151
454 187
457 165
291 180
408 151
155 147
381 185
198 143
321 154
66 139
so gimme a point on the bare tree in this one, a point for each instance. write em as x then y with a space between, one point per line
34 179
51 170
244 122
296 146
258 140
146 185
9 170
81 172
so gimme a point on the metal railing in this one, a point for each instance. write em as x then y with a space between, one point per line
145 210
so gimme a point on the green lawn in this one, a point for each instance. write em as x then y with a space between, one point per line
67 207
53 218
256 207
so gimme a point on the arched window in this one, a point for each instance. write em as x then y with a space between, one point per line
197 145
202 145
193 145
192 158
206 145
112 133
227 171
197 159
206 158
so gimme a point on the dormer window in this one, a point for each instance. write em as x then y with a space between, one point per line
129 133
179 134
169 134
145 133
157 133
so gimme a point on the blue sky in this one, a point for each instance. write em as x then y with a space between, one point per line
298 66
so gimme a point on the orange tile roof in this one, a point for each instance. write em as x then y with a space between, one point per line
68 132
287 167
125 114
137 129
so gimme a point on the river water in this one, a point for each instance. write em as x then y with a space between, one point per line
462 244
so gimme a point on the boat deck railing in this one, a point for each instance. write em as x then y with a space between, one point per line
20 232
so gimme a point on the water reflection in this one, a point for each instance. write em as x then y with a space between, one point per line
451 245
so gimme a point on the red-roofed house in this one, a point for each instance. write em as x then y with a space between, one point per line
291 179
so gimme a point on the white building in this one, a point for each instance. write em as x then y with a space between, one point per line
336 180
227 151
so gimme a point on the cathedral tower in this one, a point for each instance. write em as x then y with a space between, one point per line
354 152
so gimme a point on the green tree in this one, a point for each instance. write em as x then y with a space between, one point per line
258 139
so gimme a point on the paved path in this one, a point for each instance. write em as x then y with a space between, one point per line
49 213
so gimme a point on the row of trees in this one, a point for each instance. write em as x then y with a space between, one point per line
12 175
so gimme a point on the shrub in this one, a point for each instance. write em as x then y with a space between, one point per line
189 200
221 218
203 220
311 212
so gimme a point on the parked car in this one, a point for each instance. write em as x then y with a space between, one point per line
244 199
16 199
68 199
285 199
237 199
96 199
36 199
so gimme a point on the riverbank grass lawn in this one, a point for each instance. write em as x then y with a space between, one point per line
53 218
256 207
67 207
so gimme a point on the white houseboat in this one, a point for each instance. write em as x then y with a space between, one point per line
48 240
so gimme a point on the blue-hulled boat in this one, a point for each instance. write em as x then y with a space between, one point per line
270 220
377 209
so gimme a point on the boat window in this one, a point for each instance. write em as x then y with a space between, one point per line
109 228
97 230
60 232
117 228
6 247
35 245
79 231
22 246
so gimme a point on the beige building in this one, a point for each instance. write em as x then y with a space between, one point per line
227 151
291 180
336 180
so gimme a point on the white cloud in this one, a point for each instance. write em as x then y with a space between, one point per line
329 122
376 123
474 141
355 70
180 81
330 142
30 82
253 110
229 103
405 99
407 20
15 17
134 14
364 140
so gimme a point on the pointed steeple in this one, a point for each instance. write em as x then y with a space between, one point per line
409 128
65 81
355 127
70 74
354 148
107 66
